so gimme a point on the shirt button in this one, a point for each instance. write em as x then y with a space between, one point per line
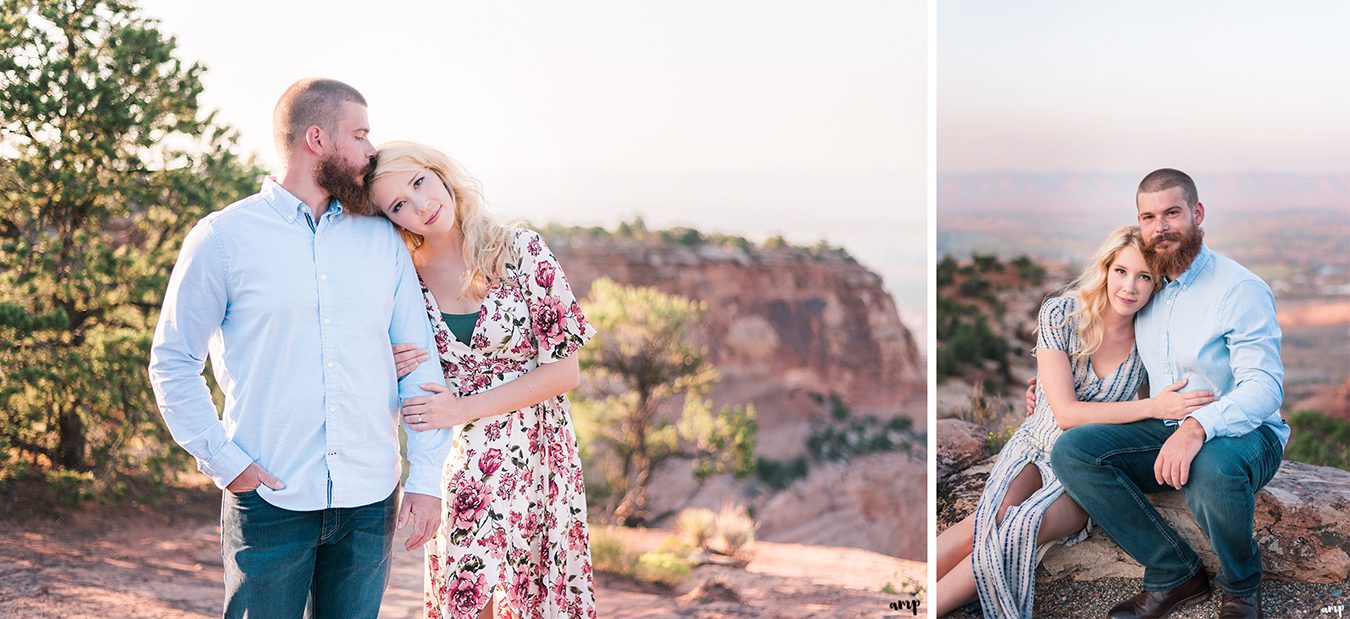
328 321
330 364
323 276
332 409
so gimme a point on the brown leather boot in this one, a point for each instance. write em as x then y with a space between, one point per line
1158 604
1245 607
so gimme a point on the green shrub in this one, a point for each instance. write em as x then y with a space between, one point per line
778 474
974 287
1319 439
610 554
662 568
986 263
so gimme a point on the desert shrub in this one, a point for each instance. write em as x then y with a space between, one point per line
946 271
697 525
1319 439
987 262
610 554
974 287
736 531
1029 270
662 568
998 438
779 474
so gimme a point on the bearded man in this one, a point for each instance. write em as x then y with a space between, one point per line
1212 323
297 302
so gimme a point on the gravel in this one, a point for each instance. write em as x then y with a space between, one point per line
1067 598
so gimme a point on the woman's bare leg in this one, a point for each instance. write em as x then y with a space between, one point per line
1063 518
953 545
487 612
956 588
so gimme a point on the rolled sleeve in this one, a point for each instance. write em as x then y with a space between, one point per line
1254 358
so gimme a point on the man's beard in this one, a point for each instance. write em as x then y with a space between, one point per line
343 182
1175 262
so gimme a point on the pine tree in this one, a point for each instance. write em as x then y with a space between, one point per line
106 160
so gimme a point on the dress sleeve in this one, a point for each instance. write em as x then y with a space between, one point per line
557 323
1054 330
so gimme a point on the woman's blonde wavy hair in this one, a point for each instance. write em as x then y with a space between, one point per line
1090 289
487 242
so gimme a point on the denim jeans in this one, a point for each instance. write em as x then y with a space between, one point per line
1108 468
326 563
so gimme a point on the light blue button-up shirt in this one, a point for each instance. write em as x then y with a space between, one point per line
1215 325
298 313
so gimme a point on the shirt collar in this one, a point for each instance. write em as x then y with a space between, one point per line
286 204
1202 260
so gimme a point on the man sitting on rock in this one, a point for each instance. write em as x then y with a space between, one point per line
1213 323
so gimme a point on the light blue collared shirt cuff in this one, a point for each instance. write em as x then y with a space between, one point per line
427 451
1209 418
225 465
423 478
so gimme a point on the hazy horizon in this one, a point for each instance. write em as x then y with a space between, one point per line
756 119
1207 87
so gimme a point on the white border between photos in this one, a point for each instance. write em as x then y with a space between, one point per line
931 322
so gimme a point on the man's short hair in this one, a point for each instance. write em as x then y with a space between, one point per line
309 102
1167 178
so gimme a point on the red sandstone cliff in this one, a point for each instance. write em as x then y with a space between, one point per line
821 323
785 327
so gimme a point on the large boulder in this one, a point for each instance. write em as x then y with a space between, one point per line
959 445
1300 525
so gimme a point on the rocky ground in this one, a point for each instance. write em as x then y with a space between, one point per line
160 565
1300 522
1071 599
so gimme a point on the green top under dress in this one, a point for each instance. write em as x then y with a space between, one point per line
461 325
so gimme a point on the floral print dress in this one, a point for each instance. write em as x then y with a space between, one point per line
513 530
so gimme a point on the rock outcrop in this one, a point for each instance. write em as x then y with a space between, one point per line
877 501
1300 525
787 328
960 444
820 322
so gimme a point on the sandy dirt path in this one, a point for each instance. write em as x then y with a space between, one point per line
144 568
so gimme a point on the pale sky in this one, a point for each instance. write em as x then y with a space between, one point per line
1128 86
756 118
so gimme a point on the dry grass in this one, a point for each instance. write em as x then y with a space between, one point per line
697 525
736 531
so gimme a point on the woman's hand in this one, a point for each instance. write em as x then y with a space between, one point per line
407 357
1170 404
441 410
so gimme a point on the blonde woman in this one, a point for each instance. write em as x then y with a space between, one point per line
513 540
1088 371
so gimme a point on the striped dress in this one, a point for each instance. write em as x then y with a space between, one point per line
1005 554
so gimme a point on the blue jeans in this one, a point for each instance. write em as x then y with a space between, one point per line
1108 468
326 563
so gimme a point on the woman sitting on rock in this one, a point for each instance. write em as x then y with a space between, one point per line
1088 371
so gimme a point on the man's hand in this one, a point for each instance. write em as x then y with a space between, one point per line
251 478
1173 466
423 512
1031 396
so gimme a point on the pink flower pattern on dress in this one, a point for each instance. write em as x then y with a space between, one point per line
514 530
547 316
